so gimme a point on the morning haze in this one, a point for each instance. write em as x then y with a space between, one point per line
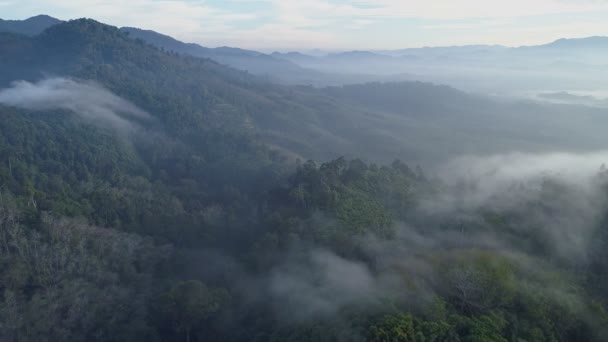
269 170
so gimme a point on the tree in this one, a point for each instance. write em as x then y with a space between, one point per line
190 303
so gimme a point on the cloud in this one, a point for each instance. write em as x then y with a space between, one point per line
445 9
492 175
555 200
321 284
184 19
86 99
333 24
558 196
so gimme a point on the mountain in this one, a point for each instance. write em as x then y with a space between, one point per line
252 61
295 56
373 121
412 62
444 50
190 97
30 27
357 56
274 67
566 64
147 195
165 42
598 42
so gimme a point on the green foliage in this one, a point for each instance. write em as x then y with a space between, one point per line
189 304
178 231
65 280
406 328
361 199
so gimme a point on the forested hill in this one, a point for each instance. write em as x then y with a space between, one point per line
377 122
257 63
187 94
199 125
149 196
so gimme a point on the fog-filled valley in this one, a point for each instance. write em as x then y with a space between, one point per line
157 190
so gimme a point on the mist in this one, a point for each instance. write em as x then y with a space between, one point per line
482 178
84 98
562 66
460 196
558 199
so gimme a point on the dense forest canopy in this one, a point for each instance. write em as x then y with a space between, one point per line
146 195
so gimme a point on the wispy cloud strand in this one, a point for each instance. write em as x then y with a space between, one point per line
86 99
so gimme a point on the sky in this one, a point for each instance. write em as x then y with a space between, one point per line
337 24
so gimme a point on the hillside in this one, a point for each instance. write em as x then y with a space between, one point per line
273 69
147 195
377 122
252 61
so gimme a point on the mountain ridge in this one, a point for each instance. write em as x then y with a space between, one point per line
196 97
248 60
41 22
30 26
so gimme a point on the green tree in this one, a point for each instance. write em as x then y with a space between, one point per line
190 303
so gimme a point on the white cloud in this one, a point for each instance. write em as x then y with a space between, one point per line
184 19
462 9
324 23
336 24
86 99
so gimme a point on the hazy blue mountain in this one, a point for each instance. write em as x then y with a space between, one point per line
296 57
445 50
563 65
30 27
257 63
597 42
274 67
359 56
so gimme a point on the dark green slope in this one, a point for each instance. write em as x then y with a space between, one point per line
188 95
196 133
89 50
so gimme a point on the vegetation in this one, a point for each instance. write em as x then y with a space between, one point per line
189 227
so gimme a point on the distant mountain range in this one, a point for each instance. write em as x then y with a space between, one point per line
565 65
449 52
274 69
255 62
35 25
472 67
598 42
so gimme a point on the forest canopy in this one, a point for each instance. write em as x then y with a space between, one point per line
142 199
